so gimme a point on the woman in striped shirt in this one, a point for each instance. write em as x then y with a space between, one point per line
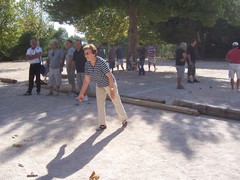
97 69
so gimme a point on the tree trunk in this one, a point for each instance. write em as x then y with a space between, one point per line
132 33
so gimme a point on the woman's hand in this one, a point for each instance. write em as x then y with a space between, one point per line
80 97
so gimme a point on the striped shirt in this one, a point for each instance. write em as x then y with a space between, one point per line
151 51
98 72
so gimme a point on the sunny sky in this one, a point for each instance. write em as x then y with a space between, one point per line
70 29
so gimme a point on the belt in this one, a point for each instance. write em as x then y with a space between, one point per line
234 62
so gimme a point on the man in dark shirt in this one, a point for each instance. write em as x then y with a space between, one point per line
119 57
191 62
80 60
100 52
142 55
180 56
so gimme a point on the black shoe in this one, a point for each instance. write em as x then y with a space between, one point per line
180 87
27 94
196 81
101 128
189 81
38 93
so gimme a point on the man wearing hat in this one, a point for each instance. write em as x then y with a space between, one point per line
233 57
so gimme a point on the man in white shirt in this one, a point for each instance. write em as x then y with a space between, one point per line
34 55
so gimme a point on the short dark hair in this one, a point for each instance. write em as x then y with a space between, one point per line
78 40
69 40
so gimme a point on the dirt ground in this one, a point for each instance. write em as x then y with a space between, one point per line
58 138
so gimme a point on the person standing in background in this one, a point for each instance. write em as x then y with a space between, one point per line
34 55
55 60
111 57
142 55
233 57
100 52
181 57
119 57
70 67
191 62
151 57
80 60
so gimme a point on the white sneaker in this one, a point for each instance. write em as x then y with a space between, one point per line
86 98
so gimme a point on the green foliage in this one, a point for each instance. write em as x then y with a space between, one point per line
20 19
9 32
61 35
19 50
31 18
75 37
158 11
108 25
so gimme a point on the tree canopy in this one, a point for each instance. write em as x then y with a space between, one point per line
108 25
154 10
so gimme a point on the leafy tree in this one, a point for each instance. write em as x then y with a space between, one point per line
31 18
155 10
61 35
75 37
9 32
19 19
108 25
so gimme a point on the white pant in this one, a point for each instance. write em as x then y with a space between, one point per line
234 68
55 77
101 93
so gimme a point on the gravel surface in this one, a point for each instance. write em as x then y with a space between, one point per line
57 136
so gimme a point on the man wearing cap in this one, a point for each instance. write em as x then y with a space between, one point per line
233 57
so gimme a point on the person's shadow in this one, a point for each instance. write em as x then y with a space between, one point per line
63 167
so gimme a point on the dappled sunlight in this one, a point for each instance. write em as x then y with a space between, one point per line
184 134
53 125
58 135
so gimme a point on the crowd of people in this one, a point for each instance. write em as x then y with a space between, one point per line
186 53
89 66
87 63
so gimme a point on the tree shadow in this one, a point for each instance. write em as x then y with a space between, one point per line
64 167
180 136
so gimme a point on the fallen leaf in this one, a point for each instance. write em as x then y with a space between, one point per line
32 175
14 136
94 176
17 145
20 165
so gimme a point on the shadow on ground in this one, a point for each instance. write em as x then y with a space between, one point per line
63 167
46 119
